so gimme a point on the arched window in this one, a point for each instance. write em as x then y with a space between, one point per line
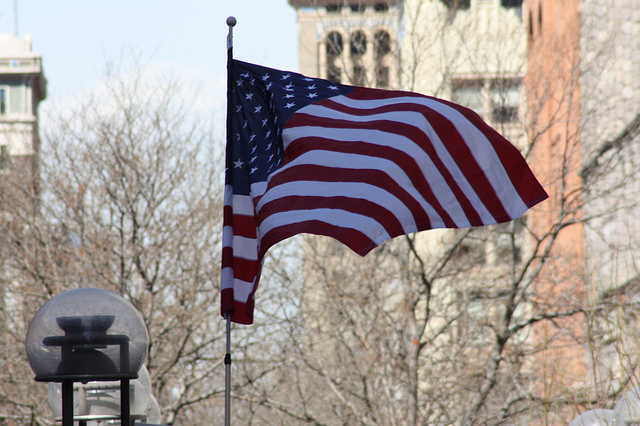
383 43
334 44
381 7
358 43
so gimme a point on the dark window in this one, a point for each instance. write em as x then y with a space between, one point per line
382 77
504 101
383 43
333 8
3 100
359 75
504 113
380 7
358 8
540 19
457 4
511 3
358 43
334 44
334 74
4 157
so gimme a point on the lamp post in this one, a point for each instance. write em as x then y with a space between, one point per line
100 401
87 335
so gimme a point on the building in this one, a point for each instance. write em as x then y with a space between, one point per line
472 52
561 80
584 89
349 42
22 88
609 103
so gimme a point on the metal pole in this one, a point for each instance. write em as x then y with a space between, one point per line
67 403
125 408
227 375
231 22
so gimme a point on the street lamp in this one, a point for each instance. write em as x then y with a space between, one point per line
101 400
87 335
627 410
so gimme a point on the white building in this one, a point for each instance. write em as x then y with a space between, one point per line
22 88
352 42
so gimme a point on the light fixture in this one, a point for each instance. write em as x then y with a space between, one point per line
87 335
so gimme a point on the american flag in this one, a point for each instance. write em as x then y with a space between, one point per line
357 164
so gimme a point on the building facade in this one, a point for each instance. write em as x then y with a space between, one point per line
349 42
560 79
22 88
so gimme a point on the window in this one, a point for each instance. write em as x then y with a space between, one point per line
359 75
334 44
358 43
504 101
4 100
383 43
469 94
12 99
380 7
540 18
382 76
16 95
4 157
505 242
511 3
358 8
497 100
457 4
333 8
334 74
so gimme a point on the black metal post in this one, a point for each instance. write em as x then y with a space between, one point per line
67 403
125 409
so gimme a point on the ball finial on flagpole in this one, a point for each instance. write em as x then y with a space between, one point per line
231 21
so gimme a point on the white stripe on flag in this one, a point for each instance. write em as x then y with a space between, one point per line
481 148
338 218
443 193
353 190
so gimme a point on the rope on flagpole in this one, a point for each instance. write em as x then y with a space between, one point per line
231 22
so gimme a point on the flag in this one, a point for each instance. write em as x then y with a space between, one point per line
361 165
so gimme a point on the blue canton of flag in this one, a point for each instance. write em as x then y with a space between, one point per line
263 100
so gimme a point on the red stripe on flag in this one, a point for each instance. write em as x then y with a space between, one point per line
243 226
227 257
245 269
353 239
369 177
400 158
358 206
241 313
412 133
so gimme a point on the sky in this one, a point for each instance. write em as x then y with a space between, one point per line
186 38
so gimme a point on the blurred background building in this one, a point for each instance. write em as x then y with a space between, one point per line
22 87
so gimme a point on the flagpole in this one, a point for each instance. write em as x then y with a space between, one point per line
231 22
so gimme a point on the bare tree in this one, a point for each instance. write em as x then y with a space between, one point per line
494 325
130 201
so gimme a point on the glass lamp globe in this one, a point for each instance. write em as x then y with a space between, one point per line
627 410
101 400
152 412
86 334
597 417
